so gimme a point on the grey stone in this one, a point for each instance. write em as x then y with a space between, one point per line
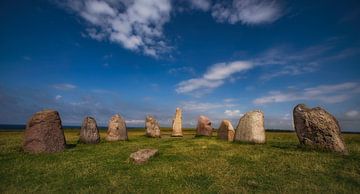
204 127
317 128
143 155
89 132
44 133
152 127
117 129
251 128
226 131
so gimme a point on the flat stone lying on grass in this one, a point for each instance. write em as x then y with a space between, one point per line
143 155
226 131
44 133
251 128
89 132
204 127
317 128
152 127
117 129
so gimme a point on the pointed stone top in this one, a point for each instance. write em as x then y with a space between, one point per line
46 111
89 118
116 116
253 111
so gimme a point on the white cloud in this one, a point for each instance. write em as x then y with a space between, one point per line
326 93
233 113
296 69
215 76
136 25
248 11
352 113
58 97
64 86
135 121
188 70
200 4
204 106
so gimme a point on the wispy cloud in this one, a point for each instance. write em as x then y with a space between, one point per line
204 106
134 122
215 76
203 5
27 58
326 93
233 113
182 70
352 113
58 97
287 61
64 86
136 25
250 12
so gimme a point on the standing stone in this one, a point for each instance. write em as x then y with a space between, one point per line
226 131
204 127
44 133
89 132
317 128
251 128
152 127
177 124
117 129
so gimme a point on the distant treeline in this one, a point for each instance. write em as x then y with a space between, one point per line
22 127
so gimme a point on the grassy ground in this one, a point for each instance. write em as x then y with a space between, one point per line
184 165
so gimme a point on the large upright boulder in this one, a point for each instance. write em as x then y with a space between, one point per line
317 128
177 124
226 131
152 127
251 128
117 129
44 133
89 132
204 127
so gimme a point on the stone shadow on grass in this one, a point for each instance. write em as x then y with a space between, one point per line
70 146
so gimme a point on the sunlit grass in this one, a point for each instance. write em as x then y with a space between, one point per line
184 165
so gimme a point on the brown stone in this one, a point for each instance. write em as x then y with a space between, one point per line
251 128
142 156
204 127
44 133
317 128
152 127
89 132
226 131
177 124
117 129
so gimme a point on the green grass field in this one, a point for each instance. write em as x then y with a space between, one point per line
184 165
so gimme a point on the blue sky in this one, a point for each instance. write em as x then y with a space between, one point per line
214 58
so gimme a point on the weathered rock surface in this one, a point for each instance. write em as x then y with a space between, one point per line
226 131
44 133
152 127
204 127
177 124
317 128
251 127
117 129
143 155
89 132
